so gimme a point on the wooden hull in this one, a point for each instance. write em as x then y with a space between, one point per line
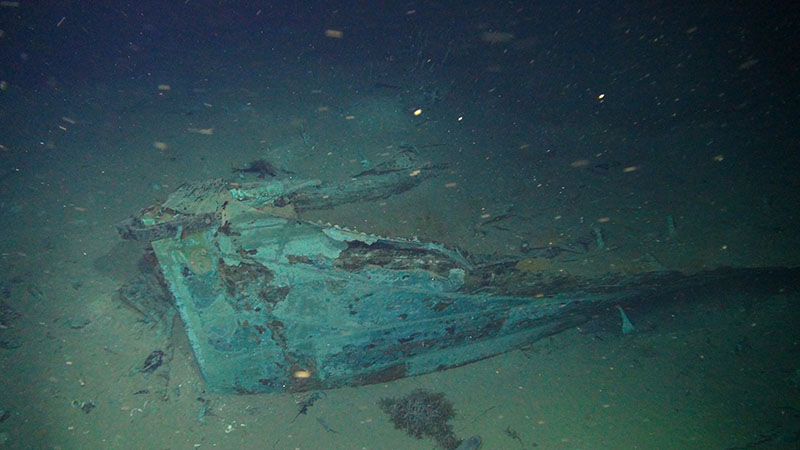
284 305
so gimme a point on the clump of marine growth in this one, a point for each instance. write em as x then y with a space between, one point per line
423 414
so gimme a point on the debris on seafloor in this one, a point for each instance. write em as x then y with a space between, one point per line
261 168
86 406
627 326
513 434
307 403
205 409
157 365
153 361
471 443
423 414
325 426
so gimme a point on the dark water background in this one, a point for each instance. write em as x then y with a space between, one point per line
572 115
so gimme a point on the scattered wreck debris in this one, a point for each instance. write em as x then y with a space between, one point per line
423 414
153 361
261 168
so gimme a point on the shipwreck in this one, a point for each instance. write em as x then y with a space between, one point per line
273 302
